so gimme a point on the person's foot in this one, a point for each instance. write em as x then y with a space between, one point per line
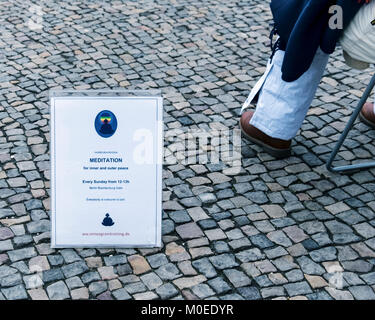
367 114
275 147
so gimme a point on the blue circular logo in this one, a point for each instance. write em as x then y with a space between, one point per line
105 123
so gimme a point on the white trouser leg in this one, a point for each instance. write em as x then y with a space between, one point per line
282 106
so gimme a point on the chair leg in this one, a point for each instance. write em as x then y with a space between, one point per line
349 125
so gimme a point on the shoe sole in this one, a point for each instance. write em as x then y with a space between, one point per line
277 153
365 121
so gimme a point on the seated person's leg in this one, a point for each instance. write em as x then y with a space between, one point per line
282 106
367 114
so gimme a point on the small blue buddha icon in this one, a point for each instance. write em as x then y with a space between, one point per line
106 127
107 221
105 123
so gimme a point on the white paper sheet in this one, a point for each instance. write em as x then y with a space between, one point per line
106 171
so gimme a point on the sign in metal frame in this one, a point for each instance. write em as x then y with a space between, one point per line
106 152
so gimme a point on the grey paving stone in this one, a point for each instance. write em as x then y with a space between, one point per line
369 278
55 260
33 281
70 255
298 288
15 293
6 271
275 252
39 226
202 290
74 269
221 247
362 292
261 241
189 231
352 279
121 294
272 292
180 216
89 277
11 280
23 240
258 197
6 245
207 198
168 272
21 254
115 260
207 224
232 296
124 269
219 285
21 267
204 267
294 275
304 215
249 293
6 233
263 281
280 238
182 191
319 295
322 239
74 282
344 238
157 260
33 204
324 254
338 227
37 215
237 278
310 267
365 230
97 287
132 288
167 226
52 275
151 280
166 291
5 212
350 217
223 261
357 266
58 291
250 255
285 263
293 206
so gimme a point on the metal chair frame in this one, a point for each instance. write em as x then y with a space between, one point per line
349 125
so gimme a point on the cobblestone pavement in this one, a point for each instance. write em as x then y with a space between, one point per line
275 230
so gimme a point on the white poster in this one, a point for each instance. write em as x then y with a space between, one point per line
106 170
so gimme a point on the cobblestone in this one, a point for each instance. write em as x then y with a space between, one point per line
15 293
58 291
